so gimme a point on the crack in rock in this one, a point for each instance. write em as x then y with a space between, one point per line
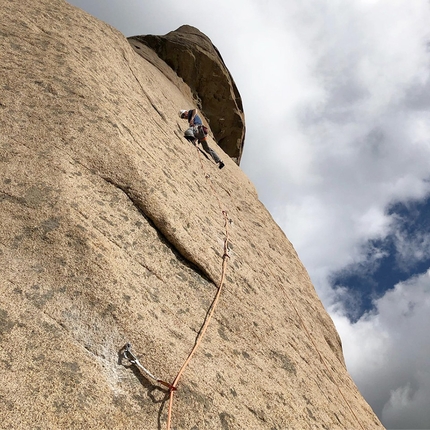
129 193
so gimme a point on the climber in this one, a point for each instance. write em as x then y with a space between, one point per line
198 132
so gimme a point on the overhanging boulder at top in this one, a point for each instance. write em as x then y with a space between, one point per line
196 60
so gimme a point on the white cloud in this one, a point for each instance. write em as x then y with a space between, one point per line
411 249
364 147
387 353
407 404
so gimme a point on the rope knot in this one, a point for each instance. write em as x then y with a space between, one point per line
166 384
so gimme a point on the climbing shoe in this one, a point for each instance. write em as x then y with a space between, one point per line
220 164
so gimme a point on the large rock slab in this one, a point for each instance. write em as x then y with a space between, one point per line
112 231
194 58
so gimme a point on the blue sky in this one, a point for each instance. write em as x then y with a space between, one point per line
337 102
370 279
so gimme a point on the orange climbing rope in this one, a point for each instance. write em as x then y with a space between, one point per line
126 350
205 325
300 319
199 338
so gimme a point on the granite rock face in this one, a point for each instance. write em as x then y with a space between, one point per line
196 60
112 231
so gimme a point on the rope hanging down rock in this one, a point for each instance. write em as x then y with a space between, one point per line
206 323
225 258
126 351
298 315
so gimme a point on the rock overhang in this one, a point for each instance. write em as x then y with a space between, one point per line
193 57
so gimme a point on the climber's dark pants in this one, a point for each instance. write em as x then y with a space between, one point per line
209 150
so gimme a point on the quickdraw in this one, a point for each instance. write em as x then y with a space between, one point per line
128 355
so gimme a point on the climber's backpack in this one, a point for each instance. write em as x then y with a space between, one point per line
189 134
200 131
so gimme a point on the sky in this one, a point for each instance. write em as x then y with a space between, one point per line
336 96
